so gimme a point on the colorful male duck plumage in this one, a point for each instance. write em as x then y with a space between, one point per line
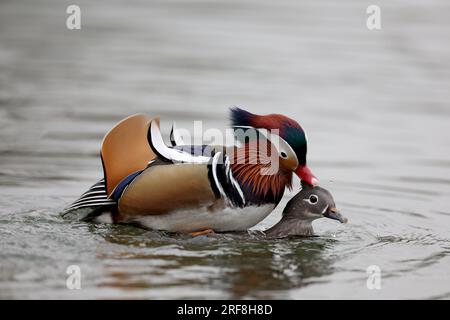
196 188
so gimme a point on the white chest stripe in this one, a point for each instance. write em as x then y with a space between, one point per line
233 181
214 172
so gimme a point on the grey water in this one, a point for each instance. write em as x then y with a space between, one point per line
375 105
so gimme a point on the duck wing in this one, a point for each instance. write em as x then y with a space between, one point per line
125 150
164 188
181 177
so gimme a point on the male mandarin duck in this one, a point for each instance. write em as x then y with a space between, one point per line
195 189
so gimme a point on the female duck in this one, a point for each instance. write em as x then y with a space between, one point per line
309 204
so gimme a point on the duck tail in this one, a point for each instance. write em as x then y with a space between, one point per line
94 201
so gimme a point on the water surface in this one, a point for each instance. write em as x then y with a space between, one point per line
375 105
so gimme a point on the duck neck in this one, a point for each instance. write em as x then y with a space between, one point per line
260 179
260 188
289 226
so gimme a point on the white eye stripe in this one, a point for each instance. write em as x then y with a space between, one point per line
313 199
282 146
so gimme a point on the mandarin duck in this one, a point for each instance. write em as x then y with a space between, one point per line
311 203
194 189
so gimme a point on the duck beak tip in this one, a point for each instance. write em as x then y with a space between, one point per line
334 214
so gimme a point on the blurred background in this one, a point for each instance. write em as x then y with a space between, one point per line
375 105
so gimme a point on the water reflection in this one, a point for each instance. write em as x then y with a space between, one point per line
237 266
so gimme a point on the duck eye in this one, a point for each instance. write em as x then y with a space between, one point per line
313 199
283 155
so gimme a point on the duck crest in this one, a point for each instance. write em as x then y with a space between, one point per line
288 128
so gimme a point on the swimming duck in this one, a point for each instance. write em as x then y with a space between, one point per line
195 189
311 203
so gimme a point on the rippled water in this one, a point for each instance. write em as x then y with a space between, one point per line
375 105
